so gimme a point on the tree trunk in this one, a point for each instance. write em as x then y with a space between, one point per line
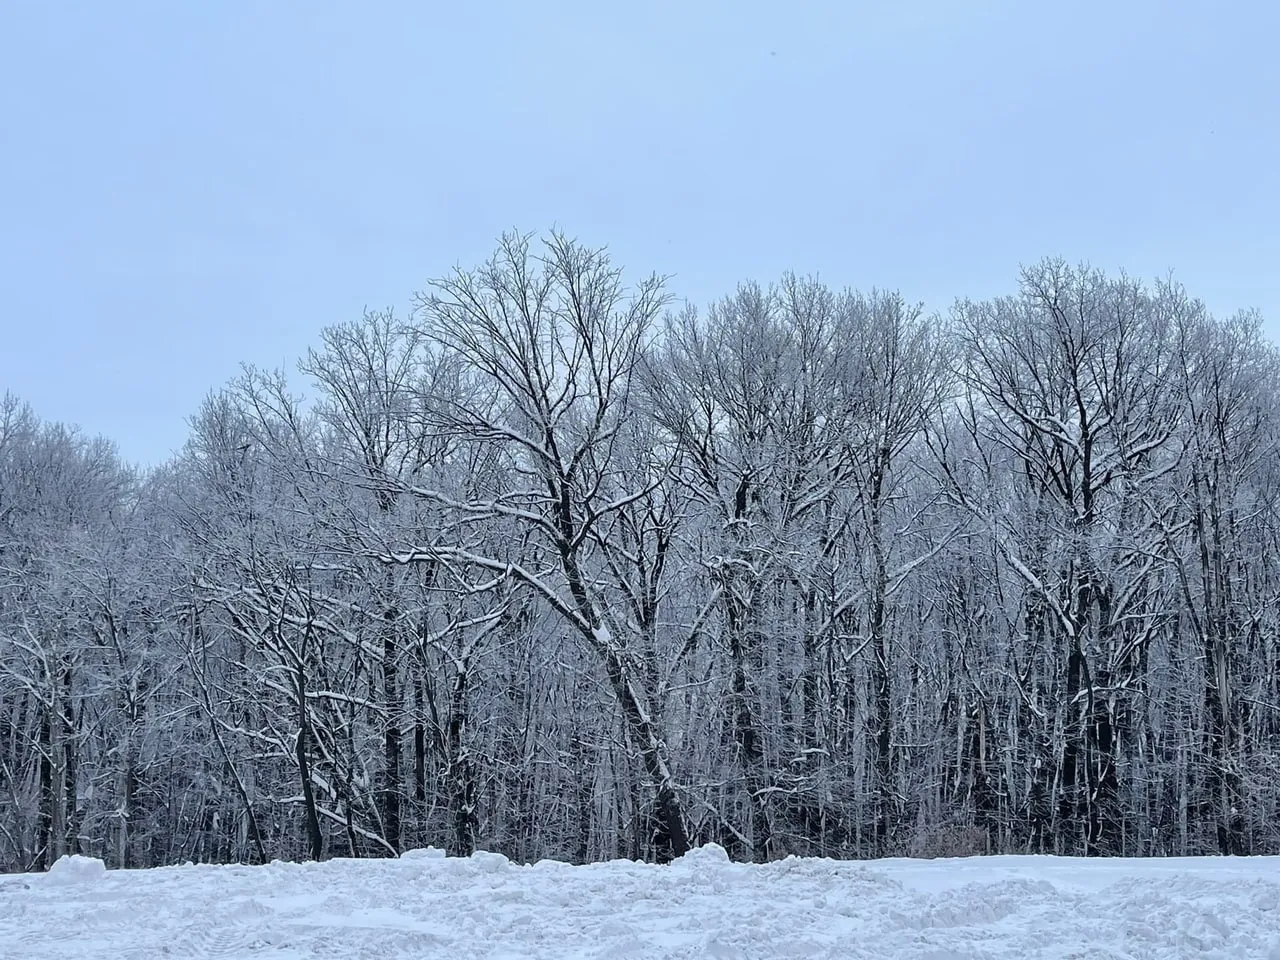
48 796
390 794
315 840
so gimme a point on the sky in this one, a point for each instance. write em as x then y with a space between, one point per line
188 186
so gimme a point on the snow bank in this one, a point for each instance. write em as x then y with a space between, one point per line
426 905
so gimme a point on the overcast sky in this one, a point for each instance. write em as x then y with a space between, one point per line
185 186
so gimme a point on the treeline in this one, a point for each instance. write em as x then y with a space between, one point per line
553 568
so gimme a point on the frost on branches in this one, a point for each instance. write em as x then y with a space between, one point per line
551 568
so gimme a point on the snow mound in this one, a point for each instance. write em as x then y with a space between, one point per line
486 862
545 864
73 870
700 858
425 853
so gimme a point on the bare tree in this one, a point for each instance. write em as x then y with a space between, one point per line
550 344
810 572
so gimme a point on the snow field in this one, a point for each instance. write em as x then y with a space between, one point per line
425 905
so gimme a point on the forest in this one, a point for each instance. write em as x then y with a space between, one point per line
559 566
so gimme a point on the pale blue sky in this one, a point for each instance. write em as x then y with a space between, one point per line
188 185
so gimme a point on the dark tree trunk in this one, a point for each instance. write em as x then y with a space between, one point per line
746 737
390 794
462 778
315 840
48 799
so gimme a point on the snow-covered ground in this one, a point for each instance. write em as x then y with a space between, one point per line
427 906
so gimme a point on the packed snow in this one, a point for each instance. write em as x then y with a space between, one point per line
426 905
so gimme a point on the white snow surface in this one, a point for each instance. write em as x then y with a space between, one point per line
425 905
73 870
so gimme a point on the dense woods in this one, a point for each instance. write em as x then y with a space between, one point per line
557 567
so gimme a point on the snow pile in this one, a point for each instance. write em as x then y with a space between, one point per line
708 857
427 906
73 870
425 853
